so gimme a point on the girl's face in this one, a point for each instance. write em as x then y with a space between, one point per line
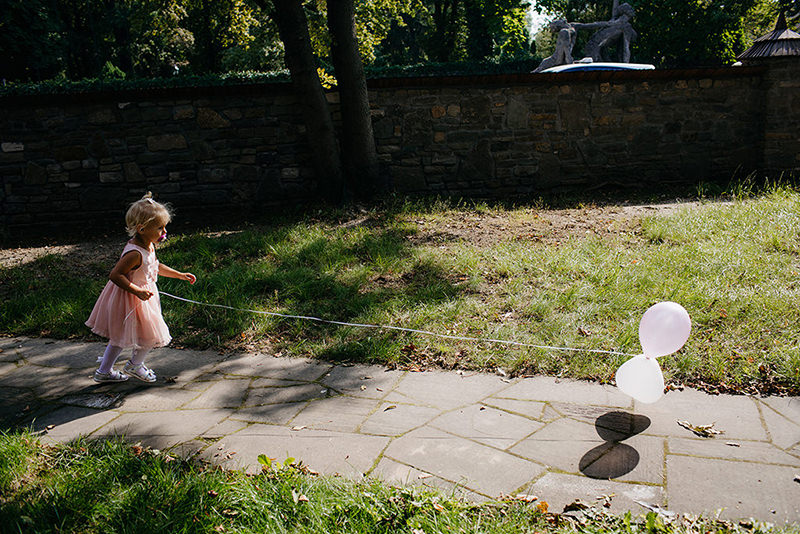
153 232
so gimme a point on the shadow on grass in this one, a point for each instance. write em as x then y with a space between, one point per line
354 277
349 275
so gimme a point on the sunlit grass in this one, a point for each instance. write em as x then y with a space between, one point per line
108 486
733 265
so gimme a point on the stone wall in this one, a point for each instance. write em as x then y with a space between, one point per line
235 150
571 131
781 109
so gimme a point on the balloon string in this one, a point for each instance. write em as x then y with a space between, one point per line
412 330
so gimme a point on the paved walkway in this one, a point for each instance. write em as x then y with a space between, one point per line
477 435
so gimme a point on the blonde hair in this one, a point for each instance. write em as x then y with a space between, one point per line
145 210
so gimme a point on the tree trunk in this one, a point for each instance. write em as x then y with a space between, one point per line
359 157
299 59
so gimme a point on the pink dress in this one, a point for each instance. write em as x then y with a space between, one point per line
125 319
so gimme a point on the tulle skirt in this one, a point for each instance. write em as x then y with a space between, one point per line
128 321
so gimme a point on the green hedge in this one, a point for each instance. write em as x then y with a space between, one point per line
94 85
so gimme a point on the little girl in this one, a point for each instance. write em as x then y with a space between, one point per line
128 311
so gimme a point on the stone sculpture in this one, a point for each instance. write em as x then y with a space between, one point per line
564 43
618 31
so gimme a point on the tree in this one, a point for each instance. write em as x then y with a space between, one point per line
760 19
30 38
453 30
217 25
359 157
299 58
159 41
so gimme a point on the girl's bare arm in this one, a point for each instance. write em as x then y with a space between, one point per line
169 272
126 264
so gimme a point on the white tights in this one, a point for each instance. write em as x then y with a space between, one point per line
112 353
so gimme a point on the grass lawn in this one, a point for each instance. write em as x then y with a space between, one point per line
575 278
112 487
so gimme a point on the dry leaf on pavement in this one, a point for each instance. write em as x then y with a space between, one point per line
704 431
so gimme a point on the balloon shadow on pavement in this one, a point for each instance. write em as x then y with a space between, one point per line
614 459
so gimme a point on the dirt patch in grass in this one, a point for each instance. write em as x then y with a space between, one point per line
547 226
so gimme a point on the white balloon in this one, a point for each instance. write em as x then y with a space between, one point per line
664 329
641 378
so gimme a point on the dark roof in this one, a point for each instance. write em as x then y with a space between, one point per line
779 42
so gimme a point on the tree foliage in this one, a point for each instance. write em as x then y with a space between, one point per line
75 39
453 30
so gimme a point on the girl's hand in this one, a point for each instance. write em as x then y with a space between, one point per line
143 294
190 277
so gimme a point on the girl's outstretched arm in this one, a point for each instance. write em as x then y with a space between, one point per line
169 272
126 264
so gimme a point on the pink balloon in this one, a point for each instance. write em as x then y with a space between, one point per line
664 329
641 378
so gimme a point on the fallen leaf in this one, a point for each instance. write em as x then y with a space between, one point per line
229 513
576 505
704 431
657 509
542 507
212 493
525 497
732 444
391 407
302 498
423 476
438 507
301 427
219 528
797 478
171 379
363 388
366 378
379 389
584 332
50 427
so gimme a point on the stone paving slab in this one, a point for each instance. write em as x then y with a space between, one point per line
461 461
532 409
548 389
783 432
162 429
486 425
397 419
343 414
473 435
445 390
737 416
401 474
327 452
222 394
768 492
276 414
368 381
752 451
